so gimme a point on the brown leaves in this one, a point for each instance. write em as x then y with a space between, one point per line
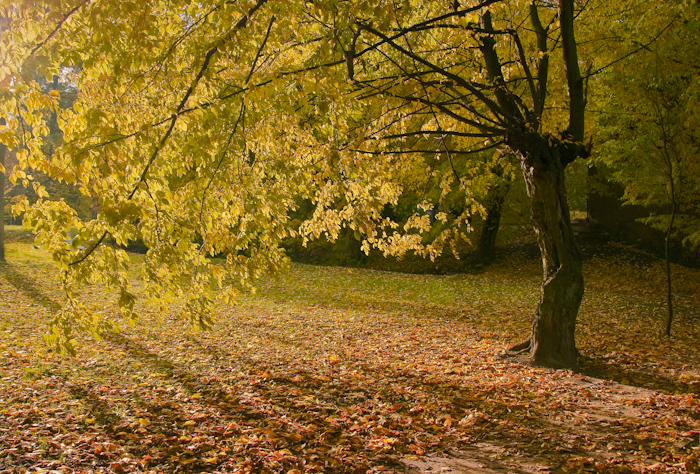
300 378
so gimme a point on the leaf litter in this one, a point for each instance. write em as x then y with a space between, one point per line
330 370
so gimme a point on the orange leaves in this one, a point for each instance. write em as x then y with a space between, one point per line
349 387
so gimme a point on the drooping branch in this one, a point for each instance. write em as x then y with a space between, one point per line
242 22
89 251
221 160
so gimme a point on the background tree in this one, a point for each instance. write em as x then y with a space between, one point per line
503 176
3 152
4 83
652 136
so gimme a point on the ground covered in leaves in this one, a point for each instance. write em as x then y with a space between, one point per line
347 370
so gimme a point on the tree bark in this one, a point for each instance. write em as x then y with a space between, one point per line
3 152
552 342
669 287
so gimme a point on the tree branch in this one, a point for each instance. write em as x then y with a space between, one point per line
635 51
437 132
260 50
493 66
577 105
543 63
493 106
526 68
454 152
58 27
242 22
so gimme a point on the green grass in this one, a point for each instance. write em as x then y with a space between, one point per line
17 233
328 369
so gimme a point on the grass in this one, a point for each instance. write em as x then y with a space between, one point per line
329 369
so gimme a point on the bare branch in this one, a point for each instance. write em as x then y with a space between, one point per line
634 51
454 152
493 106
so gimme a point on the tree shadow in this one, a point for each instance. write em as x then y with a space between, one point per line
248 400
98 409
453 400
267 404
28 286
602 369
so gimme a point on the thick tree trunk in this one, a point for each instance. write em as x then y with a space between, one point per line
552 341
486 247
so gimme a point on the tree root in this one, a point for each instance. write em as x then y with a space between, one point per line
520 348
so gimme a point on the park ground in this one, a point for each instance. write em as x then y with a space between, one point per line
332 369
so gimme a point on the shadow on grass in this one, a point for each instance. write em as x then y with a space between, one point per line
97 408
28 286
301 399
602 369
237 400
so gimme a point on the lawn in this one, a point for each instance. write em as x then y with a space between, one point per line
348 370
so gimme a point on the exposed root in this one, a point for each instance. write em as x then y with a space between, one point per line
520 348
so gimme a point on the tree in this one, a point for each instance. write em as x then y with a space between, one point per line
204 122
3 152
651 145
503 176
4 20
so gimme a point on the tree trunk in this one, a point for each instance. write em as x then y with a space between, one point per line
486 247
669 287
3 152
552 341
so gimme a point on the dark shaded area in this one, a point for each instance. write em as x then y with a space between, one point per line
603 369
98 408
610 219
28 286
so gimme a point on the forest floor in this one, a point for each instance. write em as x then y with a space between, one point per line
329 369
